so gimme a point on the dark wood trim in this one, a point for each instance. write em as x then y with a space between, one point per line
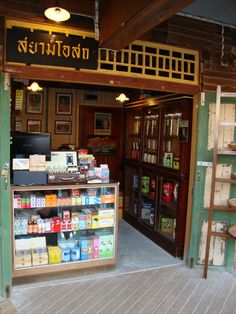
19 71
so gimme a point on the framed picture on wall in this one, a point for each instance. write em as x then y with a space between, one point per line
63 127
34 103
64 104
34 126
102 123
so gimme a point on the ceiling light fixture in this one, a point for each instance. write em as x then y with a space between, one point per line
57 14
122 97
34 87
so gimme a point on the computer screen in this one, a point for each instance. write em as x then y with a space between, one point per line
25 144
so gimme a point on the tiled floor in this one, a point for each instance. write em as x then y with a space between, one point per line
152 282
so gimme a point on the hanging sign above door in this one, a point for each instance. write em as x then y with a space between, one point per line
33 46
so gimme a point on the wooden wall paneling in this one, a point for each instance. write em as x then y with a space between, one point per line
86 131
207 38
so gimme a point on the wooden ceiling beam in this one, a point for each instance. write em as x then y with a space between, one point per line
122 21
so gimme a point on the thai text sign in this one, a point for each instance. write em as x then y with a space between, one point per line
40 47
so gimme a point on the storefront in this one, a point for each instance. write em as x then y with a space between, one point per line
114 69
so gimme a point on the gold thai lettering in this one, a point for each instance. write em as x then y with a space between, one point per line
33 47
50 49
57 49
85 53
75 53
66 51
22 45
58 43
42 48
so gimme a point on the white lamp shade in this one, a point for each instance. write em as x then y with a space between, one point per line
122 97
34 87
57 14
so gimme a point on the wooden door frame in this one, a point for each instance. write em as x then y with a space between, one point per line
5 203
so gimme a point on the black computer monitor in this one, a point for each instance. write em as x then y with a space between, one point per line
24 144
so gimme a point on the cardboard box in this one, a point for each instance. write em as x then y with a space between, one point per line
20 164
22 259
37 163
54 255
39 257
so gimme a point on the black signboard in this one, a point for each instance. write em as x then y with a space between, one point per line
40 47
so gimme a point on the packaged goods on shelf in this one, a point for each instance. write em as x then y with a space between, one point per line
39 256
54 255
83 243
167 225
37 163
23 259
145 184
168 160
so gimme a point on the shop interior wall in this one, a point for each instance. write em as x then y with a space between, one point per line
82 117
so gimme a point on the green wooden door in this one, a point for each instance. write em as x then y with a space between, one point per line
199 213
5 208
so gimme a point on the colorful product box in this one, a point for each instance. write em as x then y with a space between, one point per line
167 225
90 247
107 212
107 198
57 224
88 221
54 255
96 247
17 201
83 248
106 222
82 218
109 245
95 221
102 246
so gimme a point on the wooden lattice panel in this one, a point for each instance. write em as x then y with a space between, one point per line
152 60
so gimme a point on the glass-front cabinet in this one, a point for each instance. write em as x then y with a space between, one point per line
58 228
158 142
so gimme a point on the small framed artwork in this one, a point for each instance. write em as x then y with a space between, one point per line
64 104
34 126
102 123
63 127
34 103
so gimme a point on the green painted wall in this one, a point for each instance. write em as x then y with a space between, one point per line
5 209
199 213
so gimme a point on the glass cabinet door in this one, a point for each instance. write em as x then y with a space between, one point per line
131 190
148 198
172 140
133 134
168 207
150 140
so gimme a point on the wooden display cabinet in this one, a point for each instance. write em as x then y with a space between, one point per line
63 227
156 181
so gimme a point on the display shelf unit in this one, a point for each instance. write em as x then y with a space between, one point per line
63 227
161 165
216 153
